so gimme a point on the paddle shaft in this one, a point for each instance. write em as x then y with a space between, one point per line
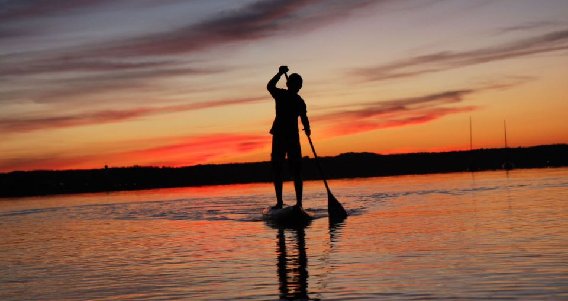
318 165
336 211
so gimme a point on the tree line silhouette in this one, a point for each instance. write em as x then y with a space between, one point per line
347 165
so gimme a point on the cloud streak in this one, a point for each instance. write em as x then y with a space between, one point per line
184 151
19 125
120 80
448 60
395 113
528 27
260 19
135 60
23 10
352 124
400 112
199 149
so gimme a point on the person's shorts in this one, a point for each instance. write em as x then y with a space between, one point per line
287 146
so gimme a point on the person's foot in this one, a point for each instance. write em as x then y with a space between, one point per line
298 205
277 206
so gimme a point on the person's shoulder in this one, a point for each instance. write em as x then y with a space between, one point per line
278 92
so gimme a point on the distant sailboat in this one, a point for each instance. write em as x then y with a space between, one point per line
472 164
507 165
470 136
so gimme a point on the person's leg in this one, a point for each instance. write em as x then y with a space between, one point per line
295 160
299 186
278 190
277 162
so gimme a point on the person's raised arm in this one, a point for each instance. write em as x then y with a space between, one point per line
271 86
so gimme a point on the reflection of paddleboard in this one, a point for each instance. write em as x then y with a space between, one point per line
286 215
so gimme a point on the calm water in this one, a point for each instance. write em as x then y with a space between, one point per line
467 236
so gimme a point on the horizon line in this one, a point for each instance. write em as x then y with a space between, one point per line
268 161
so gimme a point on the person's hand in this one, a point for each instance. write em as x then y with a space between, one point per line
308 132
283 69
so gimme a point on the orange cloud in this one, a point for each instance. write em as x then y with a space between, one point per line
199 149
183 151
355 124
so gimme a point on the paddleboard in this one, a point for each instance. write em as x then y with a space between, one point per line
289 215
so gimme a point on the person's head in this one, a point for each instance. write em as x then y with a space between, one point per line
294 82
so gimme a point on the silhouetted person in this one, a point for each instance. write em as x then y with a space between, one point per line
285 132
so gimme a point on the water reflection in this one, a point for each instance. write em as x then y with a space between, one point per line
292 264
335 231
292 260
469 236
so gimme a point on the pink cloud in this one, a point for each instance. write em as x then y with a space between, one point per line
183 151
354 125
408 111
395 113
201 149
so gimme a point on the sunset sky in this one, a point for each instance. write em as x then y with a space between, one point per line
89 83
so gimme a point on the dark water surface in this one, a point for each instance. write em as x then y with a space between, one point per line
463 235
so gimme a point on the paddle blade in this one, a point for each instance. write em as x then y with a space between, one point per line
335 210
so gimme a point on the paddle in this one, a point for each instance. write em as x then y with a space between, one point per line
335 210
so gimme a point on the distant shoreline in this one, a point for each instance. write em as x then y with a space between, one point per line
349 165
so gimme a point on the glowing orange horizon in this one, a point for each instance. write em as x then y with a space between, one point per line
174 91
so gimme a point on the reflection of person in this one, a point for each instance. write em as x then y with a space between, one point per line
285 136
292 267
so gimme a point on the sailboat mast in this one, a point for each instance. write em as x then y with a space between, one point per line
470 135
505 130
